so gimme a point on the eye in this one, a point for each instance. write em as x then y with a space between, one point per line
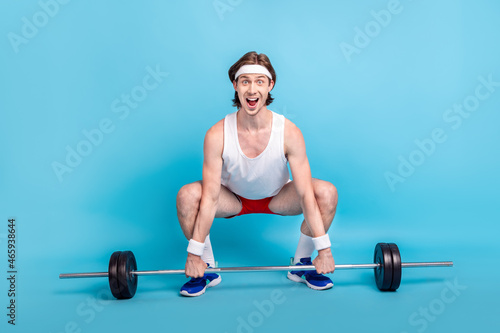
245 82
260 82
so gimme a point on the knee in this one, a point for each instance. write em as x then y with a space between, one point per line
327 196
189 195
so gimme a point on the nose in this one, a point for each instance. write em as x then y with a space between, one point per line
251 88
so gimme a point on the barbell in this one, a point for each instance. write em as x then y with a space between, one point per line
122 270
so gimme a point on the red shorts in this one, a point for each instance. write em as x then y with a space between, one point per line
253 206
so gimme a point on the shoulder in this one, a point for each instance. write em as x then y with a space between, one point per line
293 137
216 129
214 138
291 129
294 144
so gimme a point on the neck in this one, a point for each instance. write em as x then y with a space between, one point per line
251 122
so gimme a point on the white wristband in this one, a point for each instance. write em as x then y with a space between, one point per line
195 247
322 242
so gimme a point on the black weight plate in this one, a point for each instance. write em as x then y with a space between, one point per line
126 281
113 274
396 267
383 273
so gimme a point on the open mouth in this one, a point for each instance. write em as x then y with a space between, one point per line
252 102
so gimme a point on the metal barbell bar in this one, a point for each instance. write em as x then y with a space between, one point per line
122 271
257 269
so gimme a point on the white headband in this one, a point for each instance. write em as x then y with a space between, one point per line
253 69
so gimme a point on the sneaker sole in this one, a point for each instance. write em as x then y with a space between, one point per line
212 283
296 278
185 293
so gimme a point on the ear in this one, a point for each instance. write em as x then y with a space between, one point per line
271 86
235 84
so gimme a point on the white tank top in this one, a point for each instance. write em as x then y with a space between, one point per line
259 177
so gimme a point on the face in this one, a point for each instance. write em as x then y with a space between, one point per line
253 90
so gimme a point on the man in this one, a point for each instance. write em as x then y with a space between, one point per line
245 171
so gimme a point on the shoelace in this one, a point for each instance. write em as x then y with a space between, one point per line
196 280
310 273
313 274
298 271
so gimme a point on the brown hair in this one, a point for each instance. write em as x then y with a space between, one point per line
251 58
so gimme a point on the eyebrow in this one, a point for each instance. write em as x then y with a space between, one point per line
258 77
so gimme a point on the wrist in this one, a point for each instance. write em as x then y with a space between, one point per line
195 247
322 242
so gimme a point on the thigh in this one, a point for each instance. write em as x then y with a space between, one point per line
287 201
228 204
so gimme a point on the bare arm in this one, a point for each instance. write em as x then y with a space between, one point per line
301 172
295 148
212 168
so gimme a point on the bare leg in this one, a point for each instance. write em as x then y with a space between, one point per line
287 202
188 205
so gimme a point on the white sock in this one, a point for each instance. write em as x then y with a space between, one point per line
208 254
304 249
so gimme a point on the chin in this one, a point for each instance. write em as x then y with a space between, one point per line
252 112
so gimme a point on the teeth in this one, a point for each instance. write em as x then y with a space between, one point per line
252 99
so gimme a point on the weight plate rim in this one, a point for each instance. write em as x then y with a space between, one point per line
388 264
397 271
377 270
126 258
384 277
133 267
113 275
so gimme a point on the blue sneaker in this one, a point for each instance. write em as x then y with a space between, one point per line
311 278
197 286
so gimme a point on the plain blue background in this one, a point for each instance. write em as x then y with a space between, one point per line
360 114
